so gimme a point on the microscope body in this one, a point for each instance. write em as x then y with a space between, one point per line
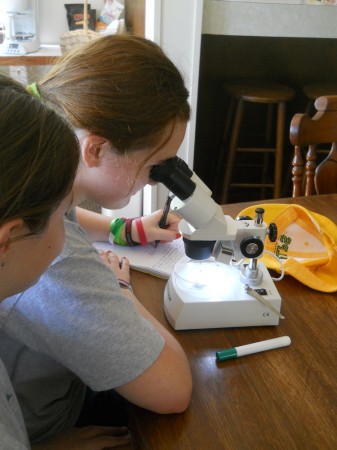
211 287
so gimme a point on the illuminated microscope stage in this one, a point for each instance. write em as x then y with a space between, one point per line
210 294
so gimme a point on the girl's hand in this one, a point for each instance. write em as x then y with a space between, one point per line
152 230
120 267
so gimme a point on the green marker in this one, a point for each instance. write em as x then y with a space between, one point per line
236 352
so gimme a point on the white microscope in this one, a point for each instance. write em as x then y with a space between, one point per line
220 283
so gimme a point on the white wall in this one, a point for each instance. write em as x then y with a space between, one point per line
271 18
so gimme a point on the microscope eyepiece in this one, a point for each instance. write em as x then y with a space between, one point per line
176 176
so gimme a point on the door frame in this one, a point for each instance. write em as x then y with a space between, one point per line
176 26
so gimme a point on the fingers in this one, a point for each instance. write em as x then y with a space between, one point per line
124 263
108 256
155 233
111 258
167 235
120 267
173 220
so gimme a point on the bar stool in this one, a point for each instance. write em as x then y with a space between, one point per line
319 89
263 92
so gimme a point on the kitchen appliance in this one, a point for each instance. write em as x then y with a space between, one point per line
21 27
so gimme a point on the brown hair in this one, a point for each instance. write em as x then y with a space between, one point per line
120 87
39 156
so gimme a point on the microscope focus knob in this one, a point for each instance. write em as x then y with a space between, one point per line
251 247
272 232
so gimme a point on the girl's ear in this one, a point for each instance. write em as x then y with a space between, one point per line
92 149
8 231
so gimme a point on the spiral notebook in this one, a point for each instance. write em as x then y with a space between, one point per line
158 261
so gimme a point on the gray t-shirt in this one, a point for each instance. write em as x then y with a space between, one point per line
13 435
73 328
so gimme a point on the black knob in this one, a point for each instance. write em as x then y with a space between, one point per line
251 247
272 232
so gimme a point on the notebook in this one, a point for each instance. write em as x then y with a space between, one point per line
158 261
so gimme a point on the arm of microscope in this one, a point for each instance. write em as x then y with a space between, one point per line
206 230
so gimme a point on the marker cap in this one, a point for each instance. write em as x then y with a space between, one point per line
230 353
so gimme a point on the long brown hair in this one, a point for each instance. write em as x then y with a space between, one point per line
39 156
120 87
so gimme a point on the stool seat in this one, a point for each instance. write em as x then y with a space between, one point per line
258 91
273 95
315 90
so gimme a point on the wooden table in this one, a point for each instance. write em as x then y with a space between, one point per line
282 399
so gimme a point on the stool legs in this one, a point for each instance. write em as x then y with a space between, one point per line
222 154
268 143
232 151
279 149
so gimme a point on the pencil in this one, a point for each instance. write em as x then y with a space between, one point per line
163 219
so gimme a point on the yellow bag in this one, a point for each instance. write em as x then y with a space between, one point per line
306 244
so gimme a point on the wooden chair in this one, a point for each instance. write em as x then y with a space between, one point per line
319 89
305 134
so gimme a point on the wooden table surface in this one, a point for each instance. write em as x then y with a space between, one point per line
281 399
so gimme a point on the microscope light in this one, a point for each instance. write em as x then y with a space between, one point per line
203 279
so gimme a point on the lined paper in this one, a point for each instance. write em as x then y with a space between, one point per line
158 261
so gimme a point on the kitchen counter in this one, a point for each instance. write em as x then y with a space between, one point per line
47 54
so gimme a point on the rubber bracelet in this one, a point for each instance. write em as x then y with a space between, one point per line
116 224
141 232
117 239
124 285
115 231
128 225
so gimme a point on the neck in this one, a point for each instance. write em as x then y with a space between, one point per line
80 193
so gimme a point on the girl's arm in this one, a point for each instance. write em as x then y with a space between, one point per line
97 226
166 386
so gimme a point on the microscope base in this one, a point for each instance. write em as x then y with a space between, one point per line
229 306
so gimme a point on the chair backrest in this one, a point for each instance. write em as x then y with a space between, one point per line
305 134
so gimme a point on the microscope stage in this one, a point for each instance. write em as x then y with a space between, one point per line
210 294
